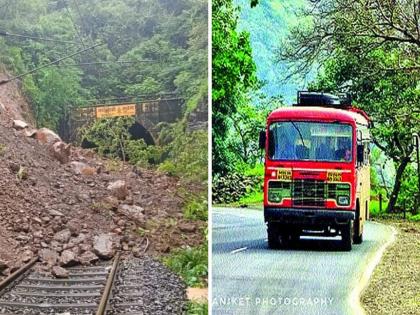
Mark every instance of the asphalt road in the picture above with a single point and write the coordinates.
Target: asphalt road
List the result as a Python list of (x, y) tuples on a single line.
[(314, 277)]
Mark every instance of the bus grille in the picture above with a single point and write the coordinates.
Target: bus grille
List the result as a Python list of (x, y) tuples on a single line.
[(308, 192)]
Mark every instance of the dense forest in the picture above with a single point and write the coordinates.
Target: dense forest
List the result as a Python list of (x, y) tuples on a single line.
[(118, 48), (141, 48), (370, 52)]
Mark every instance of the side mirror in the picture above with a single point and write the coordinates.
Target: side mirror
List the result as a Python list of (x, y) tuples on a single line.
[(360, 153), (262, 140)]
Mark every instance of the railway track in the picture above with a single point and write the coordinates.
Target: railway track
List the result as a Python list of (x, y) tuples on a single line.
[(117, 288)]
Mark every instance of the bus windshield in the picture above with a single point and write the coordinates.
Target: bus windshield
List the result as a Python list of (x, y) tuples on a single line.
[(310, 141)]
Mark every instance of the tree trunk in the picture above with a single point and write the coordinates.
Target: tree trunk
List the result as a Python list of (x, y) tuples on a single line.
[(397, 184)]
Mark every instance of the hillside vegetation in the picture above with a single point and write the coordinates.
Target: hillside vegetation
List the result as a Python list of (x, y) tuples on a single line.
[(144, 47)]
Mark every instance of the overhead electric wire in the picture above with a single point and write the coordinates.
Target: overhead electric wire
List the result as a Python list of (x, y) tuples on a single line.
[(102, 63), (5, 34), (74, 26), (83, 25), (49, 64), (133, 97)]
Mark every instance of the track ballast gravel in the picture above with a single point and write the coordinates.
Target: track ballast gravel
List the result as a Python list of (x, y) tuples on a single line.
[(145, 286)]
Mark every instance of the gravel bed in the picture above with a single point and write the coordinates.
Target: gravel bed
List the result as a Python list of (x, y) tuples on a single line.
[(160, 292), (29, 311)]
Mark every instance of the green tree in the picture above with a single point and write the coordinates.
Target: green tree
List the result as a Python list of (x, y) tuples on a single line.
[(234, 74), (390, 97)]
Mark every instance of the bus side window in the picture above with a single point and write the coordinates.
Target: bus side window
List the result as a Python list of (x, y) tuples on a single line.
[(360, 153), (367, 152)]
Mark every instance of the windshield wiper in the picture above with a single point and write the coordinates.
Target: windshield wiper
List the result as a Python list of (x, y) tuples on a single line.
[(300, 134)]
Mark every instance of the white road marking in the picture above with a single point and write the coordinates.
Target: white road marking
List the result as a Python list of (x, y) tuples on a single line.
[(238, 250)]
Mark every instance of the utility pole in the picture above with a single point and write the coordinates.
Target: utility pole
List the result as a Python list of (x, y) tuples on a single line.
[(416, 141)]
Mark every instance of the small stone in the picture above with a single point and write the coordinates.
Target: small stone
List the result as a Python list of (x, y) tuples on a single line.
[(3, 265), (55, 213), (63, 236), (184, 227), (59, 272), (133, 212), (111, 202), (19, 124), (80, 168), (27, 256), (118, 189), (74, 227)]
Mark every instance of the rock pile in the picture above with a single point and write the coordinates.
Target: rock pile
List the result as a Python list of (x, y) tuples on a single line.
[(66, 206)]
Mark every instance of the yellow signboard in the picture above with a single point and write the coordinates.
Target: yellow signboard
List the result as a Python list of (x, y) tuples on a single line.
[(284, 174), (116, 111)]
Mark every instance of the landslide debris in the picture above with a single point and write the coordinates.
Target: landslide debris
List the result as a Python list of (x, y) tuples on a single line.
[(65, 205)]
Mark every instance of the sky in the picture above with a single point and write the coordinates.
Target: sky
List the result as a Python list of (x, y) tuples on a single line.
[(268, 24)]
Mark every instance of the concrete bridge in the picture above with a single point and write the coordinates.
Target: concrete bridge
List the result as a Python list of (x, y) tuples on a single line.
[(148, 113)]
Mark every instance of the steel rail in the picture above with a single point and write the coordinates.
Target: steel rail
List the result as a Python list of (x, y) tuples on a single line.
[(108, 286), (5, 283)]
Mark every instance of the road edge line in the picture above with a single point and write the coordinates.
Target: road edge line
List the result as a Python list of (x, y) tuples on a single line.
[(364, 279)]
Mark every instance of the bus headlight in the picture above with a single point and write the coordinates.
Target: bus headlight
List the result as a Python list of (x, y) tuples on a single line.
[(343, 200), (278, 190)]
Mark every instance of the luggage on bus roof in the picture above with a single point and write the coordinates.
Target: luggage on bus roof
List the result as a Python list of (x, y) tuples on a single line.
[(306, 98)]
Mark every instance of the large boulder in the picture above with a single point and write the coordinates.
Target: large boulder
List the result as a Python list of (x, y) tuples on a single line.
[(61, 151), (68, 258), (47, 136), (88, 258), (118, 189), (103, 246)]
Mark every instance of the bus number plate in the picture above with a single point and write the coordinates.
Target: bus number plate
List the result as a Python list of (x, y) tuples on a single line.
[(334, 176), (284, 174)]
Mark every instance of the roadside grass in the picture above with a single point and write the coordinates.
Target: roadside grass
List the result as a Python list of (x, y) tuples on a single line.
[(195, 308), (374, 208), (196, 207), (394, 287), (253, 198), (191, 264)]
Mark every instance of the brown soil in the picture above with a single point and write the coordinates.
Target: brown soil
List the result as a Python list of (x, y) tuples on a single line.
[(27, 203)]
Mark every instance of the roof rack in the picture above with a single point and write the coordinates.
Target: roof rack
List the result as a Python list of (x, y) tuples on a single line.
[(306, 98)]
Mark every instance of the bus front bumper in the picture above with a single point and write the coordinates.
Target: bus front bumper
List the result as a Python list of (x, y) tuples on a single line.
[(308, 217)]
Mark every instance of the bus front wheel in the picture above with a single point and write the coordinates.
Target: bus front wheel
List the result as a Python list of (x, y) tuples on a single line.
[(347, 235), (273, 236), (358, 232)]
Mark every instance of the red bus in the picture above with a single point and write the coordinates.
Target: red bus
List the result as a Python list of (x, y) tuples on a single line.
[(317, 173)]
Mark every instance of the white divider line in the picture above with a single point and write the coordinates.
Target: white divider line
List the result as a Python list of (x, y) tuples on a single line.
[(239, 250)]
